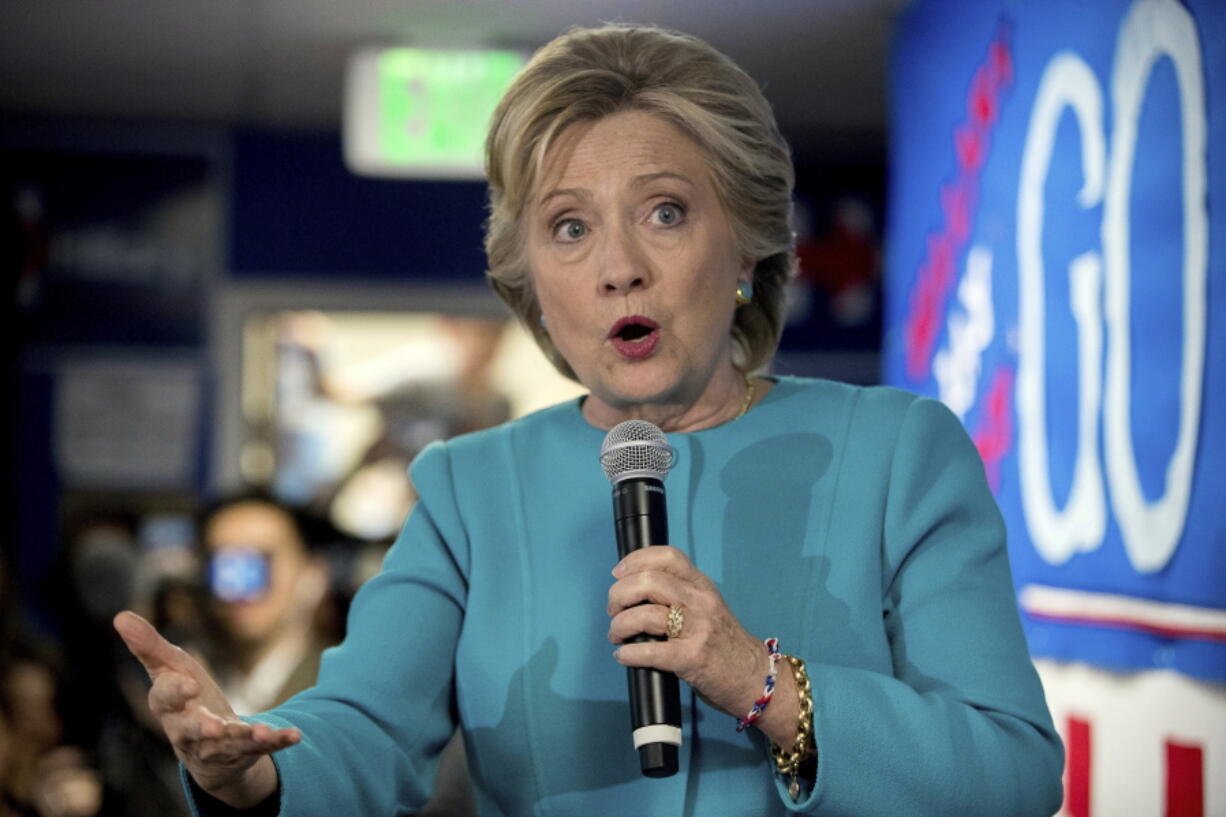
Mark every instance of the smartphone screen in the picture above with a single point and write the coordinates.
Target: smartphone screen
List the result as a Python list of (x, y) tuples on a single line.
[(239, 575)]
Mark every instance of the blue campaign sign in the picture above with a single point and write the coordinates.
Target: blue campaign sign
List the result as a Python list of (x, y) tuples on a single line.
[(1056, 273)]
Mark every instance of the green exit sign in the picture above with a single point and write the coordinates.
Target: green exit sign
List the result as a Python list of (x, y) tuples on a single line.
[(423, 113)]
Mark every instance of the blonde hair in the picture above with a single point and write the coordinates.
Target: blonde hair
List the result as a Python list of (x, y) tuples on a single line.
[(589, 73)]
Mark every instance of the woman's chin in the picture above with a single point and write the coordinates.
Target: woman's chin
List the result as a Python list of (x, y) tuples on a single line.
[(630, 395)]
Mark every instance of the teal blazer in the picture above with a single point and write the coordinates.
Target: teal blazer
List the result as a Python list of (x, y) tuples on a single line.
[(854, 524)]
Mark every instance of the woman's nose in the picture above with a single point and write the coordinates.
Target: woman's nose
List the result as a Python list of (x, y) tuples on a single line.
[(624, 267)]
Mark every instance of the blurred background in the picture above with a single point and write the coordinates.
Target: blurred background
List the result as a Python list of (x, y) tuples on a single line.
[(243, 248)]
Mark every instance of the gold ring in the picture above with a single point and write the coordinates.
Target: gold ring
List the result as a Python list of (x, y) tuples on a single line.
[(676, 620)]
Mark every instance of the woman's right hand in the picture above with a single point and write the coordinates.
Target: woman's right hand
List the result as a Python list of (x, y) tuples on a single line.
[(226, 756)]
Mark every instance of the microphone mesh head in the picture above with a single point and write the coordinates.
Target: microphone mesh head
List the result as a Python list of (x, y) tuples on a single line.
[(635, 448)]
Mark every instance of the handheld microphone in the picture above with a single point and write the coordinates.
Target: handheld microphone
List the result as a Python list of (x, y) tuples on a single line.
[(636, 457)]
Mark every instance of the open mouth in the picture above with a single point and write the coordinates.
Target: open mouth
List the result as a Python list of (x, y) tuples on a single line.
[(633, 328), (635, 336), (634, 331)]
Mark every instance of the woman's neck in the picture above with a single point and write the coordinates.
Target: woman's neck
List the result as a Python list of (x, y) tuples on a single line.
[(723, 401)]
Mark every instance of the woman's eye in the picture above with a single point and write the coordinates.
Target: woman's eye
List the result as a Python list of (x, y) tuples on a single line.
[(668, 214), (569, 230)]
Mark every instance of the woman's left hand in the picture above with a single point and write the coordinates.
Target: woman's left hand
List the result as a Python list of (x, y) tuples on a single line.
[(713, 653)]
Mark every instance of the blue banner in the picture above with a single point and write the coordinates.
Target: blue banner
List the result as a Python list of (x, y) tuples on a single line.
[(111, 248), (1055, 274)]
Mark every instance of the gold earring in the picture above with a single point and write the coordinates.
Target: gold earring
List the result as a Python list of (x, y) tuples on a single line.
[(744, 293)]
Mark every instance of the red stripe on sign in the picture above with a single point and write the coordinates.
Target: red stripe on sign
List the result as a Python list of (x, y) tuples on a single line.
[(1185, 780), (1077, 768), (1124, 623)]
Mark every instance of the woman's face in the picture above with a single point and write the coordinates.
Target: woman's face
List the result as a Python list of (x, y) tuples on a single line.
[(633, 261), (256, 528)]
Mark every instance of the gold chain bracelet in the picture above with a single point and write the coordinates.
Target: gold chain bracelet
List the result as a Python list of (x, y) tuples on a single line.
[(789, 763)]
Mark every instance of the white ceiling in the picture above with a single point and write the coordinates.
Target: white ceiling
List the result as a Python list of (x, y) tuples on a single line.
[(281, 62)]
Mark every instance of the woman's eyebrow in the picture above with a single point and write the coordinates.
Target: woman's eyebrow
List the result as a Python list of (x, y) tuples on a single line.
[(577, 192), (647, 178), (637, 181)]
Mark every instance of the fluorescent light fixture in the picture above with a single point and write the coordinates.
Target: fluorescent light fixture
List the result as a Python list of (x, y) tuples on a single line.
[(418, 113)]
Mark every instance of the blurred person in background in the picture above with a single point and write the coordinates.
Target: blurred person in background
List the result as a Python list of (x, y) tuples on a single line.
[(268, 591), (639, 227), (96, 576), (39, 773), (29, 693), (109, 742)]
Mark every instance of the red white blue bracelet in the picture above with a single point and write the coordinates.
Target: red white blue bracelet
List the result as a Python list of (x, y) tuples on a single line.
[(772, 647)]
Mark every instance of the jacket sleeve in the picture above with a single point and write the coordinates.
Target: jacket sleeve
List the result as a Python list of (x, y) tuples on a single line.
[(961, 727), (376, 721)]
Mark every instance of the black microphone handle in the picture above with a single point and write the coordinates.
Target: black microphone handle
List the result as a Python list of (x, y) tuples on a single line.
[(641, 520)]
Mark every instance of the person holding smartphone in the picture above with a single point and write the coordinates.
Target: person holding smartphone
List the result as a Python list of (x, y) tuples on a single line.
[(266, 586)]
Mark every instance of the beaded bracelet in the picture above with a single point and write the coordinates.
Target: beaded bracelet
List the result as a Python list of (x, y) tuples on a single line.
[(772, 647)]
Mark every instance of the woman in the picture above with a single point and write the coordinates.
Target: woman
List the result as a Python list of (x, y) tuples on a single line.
[(640, 195)]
